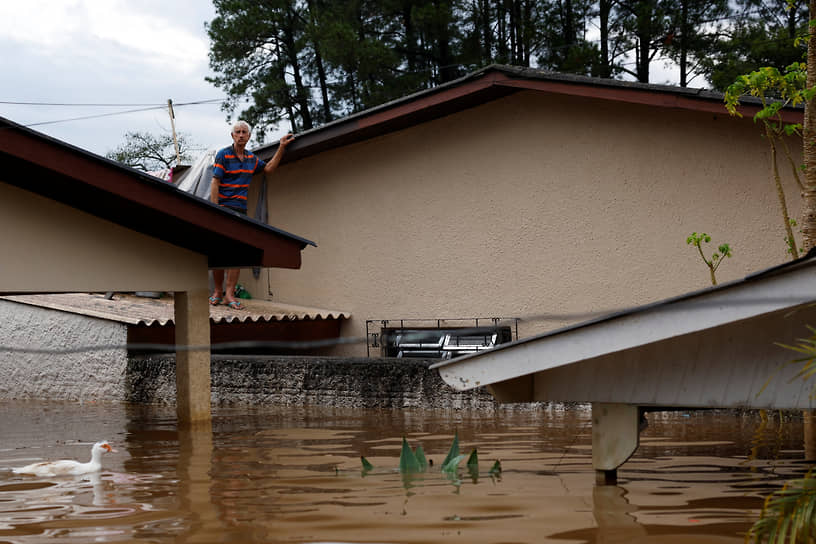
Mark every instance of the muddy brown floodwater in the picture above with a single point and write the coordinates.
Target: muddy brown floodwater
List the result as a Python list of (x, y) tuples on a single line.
[(293, 474)]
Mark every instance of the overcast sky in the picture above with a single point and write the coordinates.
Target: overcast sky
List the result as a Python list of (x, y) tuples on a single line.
[(120, 52), (109, 52)]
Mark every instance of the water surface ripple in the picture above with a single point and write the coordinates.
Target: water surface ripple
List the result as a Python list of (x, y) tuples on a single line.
[(293, 475)]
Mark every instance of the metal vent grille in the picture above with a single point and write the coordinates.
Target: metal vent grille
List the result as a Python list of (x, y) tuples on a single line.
[(411, 339)]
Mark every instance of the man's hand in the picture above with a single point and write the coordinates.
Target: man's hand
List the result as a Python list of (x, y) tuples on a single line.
[(286, 140), (272, 164)]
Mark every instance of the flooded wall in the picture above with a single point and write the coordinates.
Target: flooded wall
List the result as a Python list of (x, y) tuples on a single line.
[(38, 364), (30, 372), (319, 381)]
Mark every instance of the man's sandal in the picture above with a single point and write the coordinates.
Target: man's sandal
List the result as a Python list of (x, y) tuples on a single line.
[(215, 301), (235, 305)]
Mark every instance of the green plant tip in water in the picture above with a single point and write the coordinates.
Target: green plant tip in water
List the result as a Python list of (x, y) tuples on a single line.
[(419, 453), (408, 463), (451, 465), (454, 450), (473, 460)]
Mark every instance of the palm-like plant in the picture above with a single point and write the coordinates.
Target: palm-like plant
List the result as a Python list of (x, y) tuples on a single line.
[(789, 515)]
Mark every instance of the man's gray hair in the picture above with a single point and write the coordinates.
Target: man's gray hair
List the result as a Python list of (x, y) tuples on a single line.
[(242, 123)]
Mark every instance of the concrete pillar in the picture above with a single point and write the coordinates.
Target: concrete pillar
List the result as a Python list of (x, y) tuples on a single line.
[(615, 437), (195, 487), (192, 316), (810, 435), (614, 516)]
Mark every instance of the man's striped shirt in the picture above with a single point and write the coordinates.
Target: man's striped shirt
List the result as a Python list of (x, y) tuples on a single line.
[(234, 176)]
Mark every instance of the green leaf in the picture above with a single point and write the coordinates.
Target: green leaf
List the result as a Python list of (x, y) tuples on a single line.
[(420, 457), (366, 465), (473, 460), (496, 468), (408, 463), (451, 465), (454, 449)]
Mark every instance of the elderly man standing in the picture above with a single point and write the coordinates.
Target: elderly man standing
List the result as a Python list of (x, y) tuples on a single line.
[(232, 173)]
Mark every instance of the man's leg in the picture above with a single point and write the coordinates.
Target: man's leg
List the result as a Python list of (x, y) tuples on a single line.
[(218, 290), (232, 281)]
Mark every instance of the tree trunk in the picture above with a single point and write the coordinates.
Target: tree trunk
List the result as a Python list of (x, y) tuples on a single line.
[(321, 70), (447, 70), (684, 37), (501, 33), (644, 37), (808, 222), (569, 26), (780, 193), (605, 9), (512, 31), (487, 33), (410, 38), (301, 93)]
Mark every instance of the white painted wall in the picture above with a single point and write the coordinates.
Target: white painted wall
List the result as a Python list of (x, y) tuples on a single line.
[(84, 376)]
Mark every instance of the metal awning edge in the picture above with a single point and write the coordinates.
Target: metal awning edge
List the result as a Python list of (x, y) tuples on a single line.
[(674, 317)]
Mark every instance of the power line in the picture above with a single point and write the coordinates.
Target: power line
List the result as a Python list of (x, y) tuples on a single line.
[(41, 123), (110, 105), (74, 104), (109, 114)]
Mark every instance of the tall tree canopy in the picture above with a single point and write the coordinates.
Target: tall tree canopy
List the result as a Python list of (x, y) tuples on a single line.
[(307, 62)]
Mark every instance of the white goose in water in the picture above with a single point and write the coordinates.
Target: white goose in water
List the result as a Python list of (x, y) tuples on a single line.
[(68, 467)]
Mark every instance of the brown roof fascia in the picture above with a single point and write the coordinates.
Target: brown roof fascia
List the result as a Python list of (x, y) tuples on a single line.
[(643, 96), (495, 82), (141, 202), (383, 120)]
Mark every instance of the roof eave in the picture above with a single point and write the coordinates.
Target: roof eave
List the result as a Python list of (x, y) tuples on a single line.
[(779, 288), (105, 189), (493, 82)]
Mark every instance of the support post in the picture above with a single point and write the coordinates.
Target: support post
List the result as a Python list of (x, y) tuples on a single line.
[(615, 437), (810, 435), (192, 316)]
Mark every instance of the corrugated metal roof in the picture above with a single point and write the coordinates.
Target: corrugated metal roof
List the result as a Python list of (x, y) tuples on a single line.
[(136, 310)]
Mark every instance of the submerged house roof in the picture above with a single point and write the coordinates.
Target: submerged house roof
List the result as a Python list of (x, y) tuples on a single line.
[(717, 347), (494, 82), (106, 189)]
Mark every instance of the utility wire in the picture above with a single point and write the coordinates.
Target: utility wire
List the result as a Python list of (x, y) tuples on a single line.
[(109, 114), (110, 105)]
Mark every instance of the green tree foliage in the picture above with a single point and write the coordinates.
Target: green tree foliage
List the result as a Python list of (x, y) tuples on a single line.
[(308, 62), (694, 30), (775, 90), (149, 152), (762, 33)]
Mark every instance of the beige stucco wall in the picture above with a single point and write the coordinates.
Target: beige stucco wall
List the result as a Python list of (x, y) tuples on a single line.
[(530, 205), (48, 246)]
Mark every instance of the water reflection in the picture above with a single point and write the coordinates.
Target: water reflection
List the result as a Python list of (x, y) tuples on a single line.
[(294, 475)]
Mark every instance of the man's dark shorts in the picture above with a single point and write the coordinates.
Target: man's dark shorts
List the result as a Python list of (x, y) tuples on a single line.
[(242, 212)]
